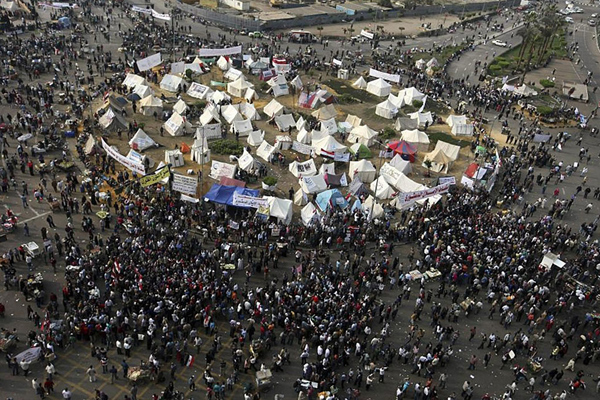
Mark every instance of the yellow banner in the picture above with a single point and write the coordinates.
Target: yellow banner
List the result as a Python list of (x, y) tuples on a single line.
[(155, 178)]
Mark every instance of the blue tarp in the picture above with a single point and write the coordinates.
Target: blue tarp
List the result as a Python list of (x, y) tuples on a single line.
[(65, 22), (331, 197), (222, 194)]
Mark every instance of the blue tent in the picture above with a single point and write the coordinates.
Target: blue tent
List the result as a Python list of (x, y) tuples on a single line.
[(222, 194), (329, 198), (65, 22)]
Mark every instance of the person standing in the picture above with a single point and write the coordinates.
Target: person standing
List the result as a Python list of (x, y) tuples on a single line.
[(66, 394), (125, 367), (134, 391), (113, 374), (91, 373), (25, 366)]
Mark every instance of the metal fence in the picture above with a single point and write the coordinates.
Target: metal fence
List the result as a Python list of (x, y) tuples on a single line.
[(222, 19)]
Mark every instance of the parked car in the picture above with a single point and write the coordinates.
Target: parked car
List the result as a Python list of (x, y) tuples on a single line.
[(499, 43)]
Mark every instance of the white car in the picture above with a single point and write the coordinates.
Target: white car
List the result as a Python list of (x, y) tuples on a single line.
[(499, 43), (569, 20), (594, 15), (592, 22)]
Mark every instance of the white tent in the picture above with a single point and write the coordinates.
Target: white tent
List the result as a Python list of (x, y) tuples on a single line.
[(265, 150), (219, 169), (313, 184), (416, 137), (381, 188), (439, 161), (279, 86), (456, 119), (307, 168), (251, 95), (300, 198), (354, 120), (200, 152), (242, 127), (420, 63), (401, 164), (247, 163), (372, 209), (422, 118), (301, 123), (273, 108), (304, 136), (463, 129), (327, 169), (362, 169), (280, 209), (150, 105), (327, 146), (133, 80), (329, 126), (180, 107), (141, 141), (223, 63), (326, 112), (210, 114), (363, 134), (360, 83), (525, 91), (249, 111), (433, 63), (231, 113), (386, 109), (411, 94), (238, 87), (233, 74), (194, 67), (219, 97), (199, 91), (176, 125), (255, 138), (297, 82), (310, 215), (171, 83), (142, 91), (397, 101), (451, 150), (284, 122), (379, 87)]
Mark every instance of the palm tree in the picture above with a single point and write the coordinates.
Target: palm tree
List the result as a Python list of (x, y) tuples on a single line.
[(526, 33), (320, 29), (401, 29), (428, 164)]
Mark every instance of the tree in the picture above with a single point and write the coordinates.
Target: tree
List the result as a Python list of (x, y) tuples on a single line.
[(428, 164), (320, 29), (401, 29)]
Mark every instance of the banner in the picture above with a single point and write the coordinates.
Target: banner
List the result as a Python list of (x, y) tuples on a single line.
[(384, 75), (185, 184), (219, 52), (410, 197), (337, 62), (149, 62), (367, 34), (189, 199), (219, 169), (164, 17), (31, 355), (341, 157), (209, 131), (302, 148), (136, 167), (447, 179), (156, 177), (196, 90), (217, 83), (178, 68), (142, 10), (242, 200)]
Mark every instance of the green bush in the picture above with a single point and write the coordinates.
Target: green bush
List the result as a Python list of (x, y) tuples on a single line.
[(387, 133), (227, 147), (417, 104), (495, 67), (264, 86), (346, 98), (200, 104), (270, 181), (503, 63), (545, 110), (546, 83)]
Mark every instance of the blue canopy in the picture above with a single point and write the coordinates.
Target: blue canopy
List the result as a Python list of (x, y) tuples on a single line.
[(222, 194), (331, 198)]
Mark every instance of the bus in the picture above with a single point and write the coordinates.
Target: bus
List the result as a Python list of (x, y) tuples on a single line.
[(302, 37)]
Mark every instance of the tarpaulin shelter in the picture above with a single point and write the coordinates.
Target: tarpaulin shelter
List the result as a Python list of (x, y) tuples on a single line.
[(310, 215), (327, 168), (405, 123), (273, 109), (223, 63), (463, 129), (313, 184), (90, 145), (306, 168), (456, 119), (397, 101), (336, 180), (209, 115), (231, 182), (280, 209), (360, 150), (181, 107), (301, 123), (199, 91), (360, 83), (420, 63), (379, 87), (364, 169), (220, 97), (330, 199), (416, 138), (405, 149), (222, 194), (386, 109), (525, 91), (363, 135), (255, 138), (141, 141), (219, 169), (151, 105), (297, 82), (279, 86), (171, 83)]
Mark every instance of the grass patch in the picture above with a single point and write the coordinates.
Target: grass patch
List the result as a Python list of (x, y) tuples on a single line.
[(508, 62), (434, 136), (343, 89)]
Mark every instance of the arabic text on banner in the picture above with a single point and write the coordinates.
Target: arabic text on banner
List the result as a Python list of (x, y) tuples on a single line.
[(341, 157), (447, 179), (141, 10), (164, 17), (383, 75), (185, 184), (367, 34), (242, 200), (178, 67), (411, 197), (302, 148), (156, 177), (149, 62), (121, 159), (220, 52)]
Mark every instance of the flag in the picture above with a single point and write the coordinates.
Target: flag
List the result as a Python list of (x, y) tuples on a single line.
[(325, 153), (106, 94), (190, 361), (117, 267)]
